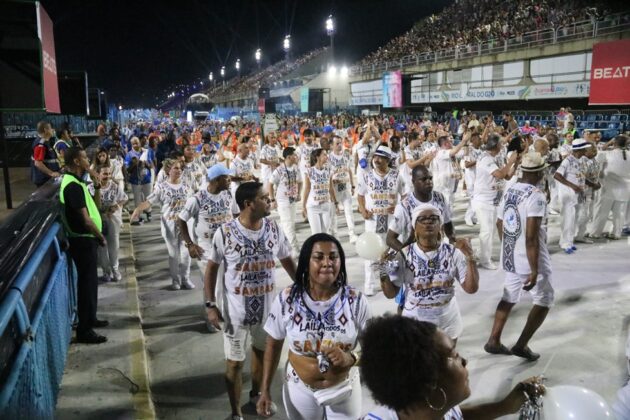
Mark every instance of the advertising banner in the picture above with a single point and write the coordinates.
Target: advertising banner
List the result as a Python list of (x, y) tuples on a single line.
[(392, 89), (610, 73), (49, 68), (366, 93)]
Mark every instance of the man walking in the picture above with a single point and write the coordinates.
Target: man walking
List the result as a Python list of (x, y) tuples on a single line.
[(524, 255), (248, 246)]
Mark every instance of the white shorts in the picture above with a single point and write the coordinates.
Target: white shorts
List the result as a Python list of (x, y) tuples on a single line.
[(542, 293), (235, 343), (448, 320)]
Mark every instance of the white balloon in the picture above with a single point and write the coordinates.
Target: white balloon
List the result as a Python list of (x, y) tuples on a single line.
[(370, 246), (566, 402)]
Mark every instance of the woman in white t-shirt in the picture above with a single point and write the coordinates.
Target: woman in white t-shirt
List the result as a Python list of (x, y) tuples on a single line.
[(321, 318), (429, 269), (171, 195), (318, 193), (113, 198), (414, 371)]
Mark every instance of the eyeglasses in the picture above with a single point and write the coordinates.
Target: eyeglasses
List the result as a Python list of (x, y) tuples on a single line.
[(431, 220)]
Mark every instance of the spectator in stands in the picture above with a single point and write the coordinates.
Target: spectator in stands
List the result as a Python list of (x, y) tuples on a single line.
[(83, 225), (44, 163)]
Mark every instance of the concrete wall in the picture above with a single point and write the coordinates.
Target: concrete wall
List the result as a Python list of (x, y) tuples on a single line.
[(338, 85)]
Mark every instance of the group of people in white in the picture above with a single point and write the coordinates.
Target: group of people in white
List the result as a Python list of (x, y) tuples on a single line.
[(406, 185)]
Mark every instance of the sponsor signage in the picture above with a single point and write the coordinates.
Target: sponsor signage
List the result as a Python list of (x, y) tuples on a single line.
[(610, 73), (304, 99), (392, 89), (49, 62)]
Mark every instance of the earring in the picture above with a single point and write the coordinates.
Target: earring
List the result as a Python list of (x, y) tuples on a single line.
[(426, 399)]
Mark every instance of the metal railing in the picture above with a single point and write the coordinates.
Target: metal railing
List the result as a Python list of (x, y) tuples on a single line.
[(612, 24)]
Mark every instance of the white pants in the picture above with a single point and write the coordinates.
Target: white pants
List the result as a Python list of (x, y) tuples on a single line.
[(448, 191), (584, 212), (178, 257), (619, 210), (569, 211), (347, 210), (300, 403), (371, 276), (108, 255), (140, 194), (553, 192), (287, 213), (487, 218), (470, 212), (319, 218)]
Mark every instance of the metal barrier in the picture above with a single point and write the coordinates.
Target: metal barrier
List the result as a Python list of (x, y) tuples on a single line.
[(609, 25), (36, 315)]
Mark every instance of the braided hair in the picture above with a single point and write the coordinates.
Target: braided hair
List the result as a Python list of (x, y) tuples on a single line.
[(301, 283)]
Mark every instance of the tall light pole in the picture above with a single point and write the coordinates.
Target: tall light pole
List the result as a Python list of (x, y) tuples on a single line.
[(330, 30), (238, 66), (258, 56), (286, 45), (223, 75), (211, 78)]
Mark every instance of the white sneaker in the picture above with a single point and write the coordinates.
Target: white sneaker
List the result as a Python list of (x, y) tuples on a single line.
[(553, 211), (117, 276), (469, 222), (489, 266), (353, 238), (369, 291), (583, 240), (175, 285), (187, 284), (253, 400)]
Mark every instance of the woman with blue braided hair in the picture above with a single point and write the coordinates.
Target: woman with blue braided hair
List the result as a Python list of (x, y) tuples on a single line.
[(321, 317)]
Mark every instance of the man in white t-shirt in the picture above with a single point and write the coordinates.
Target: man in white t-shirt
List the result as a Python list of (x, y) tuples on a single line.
[(488, 189), (209, 208), (248, 246), (472, 155), (377, 194), (270, 158), (444, 168), (305, 150), (341, 173), (525, 257), (285, 186), (243, 167), (571, 176)]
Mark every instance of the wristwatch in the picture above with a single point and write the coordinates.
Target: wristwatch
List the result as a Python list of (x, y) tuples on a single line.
[(210, 304)]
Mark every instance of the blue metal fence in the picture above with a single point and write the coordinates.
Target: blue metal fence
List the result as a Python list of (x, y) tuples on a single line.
[(41, 335)]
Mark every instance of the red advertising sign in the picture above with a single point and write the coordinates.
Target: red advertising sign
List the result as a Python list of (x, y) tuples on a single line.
[(261, 105), (610, 73), (49, 62)]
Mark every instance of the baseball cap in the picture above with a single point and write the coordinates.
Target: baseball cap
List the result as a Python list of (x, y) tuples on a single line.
[(533, 162), (383, 151), (218, 170)]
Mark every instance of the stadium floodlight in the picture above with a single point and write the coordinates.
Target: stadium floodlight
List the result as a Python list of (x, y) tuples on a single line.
[(344, 71), (286, 44), (238, 64), (258, 55), (332, 69), (222, 71), (330, 26), (211, 76)]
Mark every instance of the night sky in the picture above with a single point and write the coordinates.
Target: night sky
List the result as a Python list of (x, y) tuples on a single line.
[(138, 50)]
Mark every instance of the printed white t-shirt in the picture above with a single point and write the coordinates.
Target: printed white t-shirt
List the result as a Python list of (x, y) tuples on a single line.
[(307, 325), (272, 154), (573, 170), (111, 195), (381, 193), (320, 186), (286, 180), (249, 280), (340, 165), (171, 198), (209, 212), (401, 222), (429, 280), (519, 202)]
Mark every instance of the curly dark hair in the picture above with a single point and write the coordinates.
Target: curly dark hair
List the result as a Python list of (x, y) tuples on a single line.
[(301, 273), (400, 362), (315, 154)]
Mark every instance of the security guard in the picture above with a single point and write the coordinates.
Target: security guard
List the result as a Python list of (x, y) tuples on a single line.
[(83, 226)]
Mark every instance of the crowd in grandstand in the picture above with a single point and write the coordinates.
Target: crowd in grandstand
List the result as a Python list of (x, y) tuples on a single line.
[(467, 22)]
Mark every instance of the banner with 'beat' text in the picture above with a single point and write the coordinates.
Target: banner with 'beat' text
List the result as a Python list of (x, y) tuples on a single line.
[(610, 73)]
